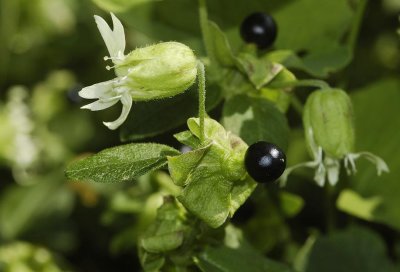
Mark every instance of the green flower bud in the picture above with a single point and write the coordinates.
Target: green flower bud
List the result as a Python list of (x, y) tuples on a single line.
[(158, 71), (328, 122)]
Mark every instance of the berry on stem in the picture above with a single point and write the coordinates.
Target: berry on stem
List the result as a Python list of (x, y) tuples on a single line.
[(259, 28), (265, 162)]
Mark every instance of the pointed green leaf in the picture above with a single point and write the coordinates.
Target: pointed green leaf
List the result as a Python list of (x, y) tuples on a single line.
[(221, 46), (208, 198), (241, 190), (187, 138), (181, 166), (121, 163), (244, 258), (260, 71)]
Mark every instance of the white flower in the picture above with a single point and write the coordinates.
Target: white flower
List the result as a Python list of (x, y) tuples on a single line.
[(153, 72), (110, 92)]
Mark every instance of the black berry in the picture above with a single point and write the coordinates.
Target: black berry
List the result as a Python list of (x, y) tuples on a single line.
[(259, 28), (264, 162)]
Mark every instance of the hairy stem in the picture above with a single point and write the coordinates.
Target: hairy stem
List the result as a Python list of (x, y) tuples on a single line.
[(202, 97), (297, 105)]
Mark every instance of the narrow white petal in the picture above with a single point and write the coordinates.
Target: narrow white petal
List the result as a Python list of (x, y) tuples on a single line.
[(101, 104), (115, 41), (333, 170), (380, 164), (119, 33), (97, 90), (320, 175), (126, 100)]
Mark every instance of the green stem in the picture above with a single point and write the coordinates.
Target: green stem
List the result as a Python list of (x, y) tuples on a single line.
[(304, 83), (297, 105), (202, 97), (208, 43)]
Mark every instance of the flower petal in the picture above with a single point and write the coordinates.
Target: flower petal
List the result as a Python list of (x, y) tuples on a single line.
[(102, 104), (114, 39), (126, 101), (97, 90), (333, 169), (119, 33), (380, 164)]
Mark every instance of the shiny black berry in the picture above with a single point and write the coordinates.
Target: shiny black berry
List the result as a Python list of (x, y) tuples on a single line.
[(264, 162), (259, 28)]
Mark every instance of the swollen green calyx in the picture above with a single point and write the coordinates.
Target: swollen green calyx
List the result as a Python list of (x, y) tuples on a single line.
[(330, 137), (328, 118)]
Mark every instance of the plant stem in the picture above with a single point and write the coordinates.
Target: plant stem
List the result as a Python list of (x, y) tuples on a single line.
[(208, 43), (202, 97), (297, 105)]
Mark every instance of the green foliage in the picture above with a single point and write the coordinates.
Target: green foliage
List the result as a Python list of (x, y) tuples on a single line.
[(121, 163), (236, 255), (213, 175), (144, 120), (21, 256), (197, 210), (255, 119), (23, 209), (355, 249), (380, 136)]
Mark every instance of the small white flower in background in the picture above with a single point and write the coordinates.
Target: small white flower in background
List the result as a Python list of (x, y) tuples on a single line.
[(330, 137), (152, 72)]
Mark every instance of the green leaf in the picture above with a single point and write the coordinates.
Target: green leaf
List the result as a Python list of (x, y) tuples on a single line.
[(121, 163), (187, 138), (291, 204), (208, 198), (241, 190), (181, 167), (376, 108), (355, 249), (275, 93), (243, 258), (221, 46), (151, 118), (320, 36), (213, 176), (255, 119), (352, 203), (166, 233), (260, 71)]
